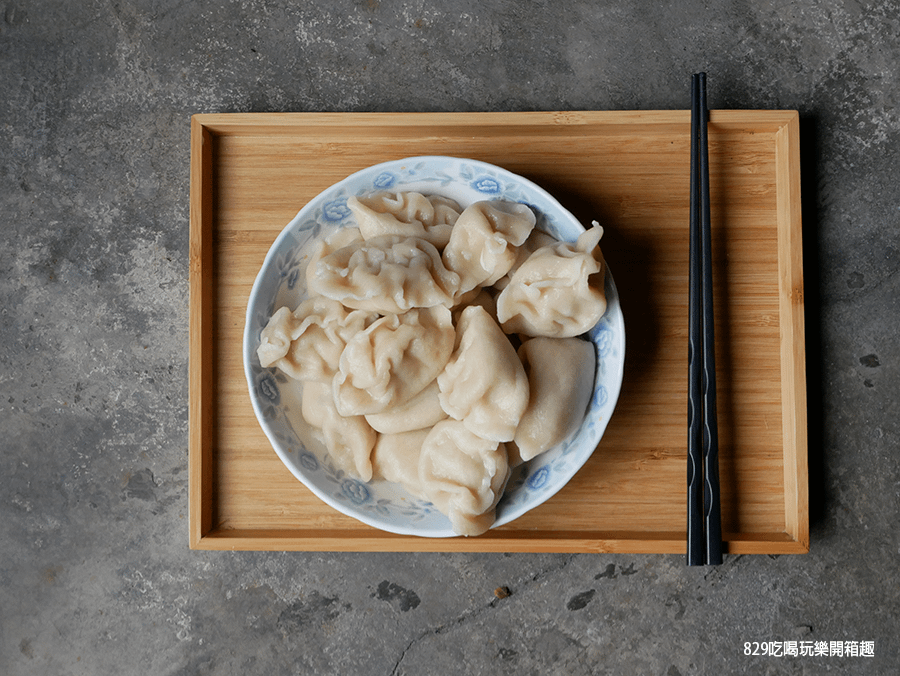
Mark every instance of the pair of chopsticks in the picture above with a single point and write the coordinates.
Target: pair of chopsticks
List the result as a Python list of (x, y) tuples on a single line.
[(704, 535)]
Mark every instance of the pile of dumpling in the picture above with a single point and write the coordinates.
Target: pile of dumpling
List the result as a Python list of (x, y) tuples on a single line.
[(440, 347)]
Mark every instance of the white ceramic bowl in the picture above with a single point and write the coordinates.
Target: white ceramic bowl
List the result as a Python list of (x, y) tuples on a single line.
[(276, 401)]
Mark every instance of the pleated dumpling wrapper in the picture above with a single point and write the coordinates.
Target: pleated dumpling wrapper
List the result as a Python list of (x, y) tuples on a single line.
[(389, 274), (307, 343), (485, 241), (558, 291), (463, 475), (348, 439), (411, 214), (393, 360)]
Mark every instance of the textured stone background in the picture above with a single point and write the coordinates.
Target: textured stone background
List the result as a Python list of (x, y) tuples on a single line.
[(95, 573)]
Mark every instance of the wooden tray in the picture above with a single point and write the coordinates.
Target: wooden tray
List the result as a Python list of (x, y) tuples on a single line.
[(251, 174)]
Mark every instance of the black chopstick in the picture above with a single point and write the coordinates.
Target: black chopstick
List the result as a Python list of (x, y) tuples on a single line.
[(704, 536), (695, 541)]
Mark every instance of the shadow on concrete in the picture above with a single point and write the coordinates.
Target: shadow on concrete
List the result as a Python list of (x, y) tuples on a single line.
[(810, 161)]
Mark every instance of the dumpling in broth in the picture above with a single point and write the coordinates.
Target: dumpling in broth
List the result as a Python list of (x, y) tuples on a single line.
[(393, 360), (410, 214), (561, 380), (389, 274), (484, 242), (463, 475), (558, 291), (307, 343), (484, 384)]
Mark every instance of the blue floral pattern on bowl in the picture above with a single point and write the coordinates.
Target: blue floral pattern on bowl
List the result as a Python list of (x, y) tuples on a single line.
[(276, 399), (336, 211), (384, 180), (487, 186)]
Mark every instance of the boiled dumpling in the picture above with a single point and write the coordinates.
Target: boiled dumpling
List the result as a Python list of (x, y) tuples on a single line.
[(411, 214), (484, 242), (396, 458), (536, 240), (560, 380), (463, 475), (484, 384), (389, 274), (392, 360), (307, 343), (484, 298), (558, 291), (423, 410), (328, 245), (348, 439)]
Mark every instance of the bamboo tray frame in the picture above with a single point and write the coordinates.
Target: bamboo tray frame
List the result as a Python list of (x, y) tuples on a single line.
[(251, 173)]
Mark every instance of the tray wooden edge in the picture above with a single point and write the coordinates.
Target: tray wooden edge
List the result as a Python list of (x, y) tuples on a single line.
[(784, 124), (371, 540), (793, 333), (275, 124), (201, 334)]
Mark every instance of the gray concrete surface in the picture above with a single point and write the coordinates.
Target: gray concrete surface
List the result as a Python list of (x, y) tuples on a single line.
[(95, 573)]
